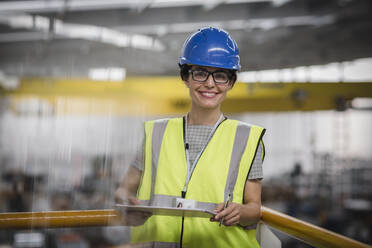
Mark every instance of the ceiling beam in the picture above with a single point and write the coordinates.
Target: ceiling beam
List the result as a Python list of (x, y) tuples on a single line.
[(42, 6), (55, 27)]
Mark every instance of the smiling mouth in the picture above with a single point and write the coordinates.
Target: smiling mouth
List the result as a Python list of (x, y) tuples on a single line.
[(208, 94)]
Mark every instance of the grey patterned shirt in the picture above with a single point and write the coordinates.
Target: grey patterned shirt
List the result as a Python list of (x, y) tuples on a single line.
[(197, 137)]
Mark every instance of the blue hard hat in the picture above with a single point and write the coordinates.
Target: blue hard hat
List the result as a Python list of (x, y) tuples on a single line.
[(211, 47)]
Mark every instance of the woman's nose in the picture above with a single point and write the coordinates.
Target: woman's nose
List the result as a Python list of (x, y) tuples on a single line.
[(210, 81)]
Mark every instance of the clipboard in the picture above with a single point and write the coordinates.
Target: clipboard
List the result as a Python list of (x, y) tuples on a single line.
[(168, 211)]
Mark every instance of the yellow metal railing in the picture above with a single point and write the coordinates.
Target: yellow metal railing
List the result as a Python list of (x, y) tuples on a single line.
[(57, 219), (311, 234)]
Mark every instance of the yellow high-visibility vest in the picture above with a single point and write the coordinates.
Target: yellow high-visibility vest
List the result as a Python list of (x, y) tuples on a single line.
[(221, 170)]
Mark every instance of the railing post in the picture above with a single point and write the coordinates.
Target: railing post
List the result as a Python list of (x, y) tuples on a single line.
[(266, 238)]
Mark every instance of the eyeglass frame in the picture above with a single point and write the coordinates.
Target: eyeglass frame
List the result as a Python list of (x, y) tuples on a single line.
[(229, 75)]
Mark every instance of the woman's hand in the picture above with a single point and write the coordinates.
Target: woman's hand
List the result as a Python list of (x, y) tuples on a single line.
[(244, 214), (135, 218), (126, 194), (231, 215)]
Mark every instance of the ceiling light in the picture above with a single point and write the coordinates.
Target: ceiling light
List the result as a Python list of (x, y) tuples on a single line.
[(107, 74)]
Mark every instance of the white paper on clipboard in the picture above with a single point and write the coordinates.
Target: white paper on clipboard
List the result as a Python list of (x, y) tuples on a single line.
[(169, 211)]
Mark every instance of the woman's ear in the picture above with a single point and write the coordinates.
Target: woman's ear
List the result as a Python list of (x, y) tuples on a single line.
[(232, 81), (186, 82), (184, 73)]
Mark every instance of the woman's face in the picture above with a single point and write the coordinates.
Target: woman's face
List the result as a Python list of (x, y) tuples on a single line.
[(208, 94)]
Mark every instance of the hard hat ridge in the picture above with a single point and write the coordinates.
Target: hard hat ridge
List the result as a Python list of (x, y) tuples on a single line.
[(211, 47)]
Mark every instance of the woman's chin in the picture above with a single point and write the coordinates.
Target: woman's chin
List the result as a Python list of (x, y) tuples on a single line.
[(209, 106)]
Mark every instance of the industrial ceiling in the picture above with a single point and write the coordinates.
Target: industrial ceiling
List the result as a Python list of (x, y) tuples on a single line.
[(68, 38)]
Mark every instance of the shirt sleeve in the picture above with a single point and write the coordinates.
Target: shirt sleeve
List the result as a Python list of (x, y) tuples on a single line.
[(256, 169)]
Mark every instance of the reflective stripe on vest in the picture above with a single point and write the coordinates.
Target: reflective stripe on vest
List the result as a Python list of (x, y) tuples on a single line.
[(169, 201), (157, 137), (240, 141), (165, 159), (157, 245)]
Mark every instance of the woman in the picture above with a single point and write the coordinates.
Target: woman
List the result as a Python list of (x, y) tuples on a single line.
[(203, 160)]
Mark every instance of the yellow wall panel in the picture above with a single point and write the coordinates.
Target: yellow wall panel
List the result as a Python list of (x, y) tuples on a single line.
[(168, 95)]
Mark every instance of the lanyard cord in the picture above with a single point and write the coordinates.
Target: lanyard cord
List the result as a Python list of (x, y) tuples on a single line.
[(191, 170)]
